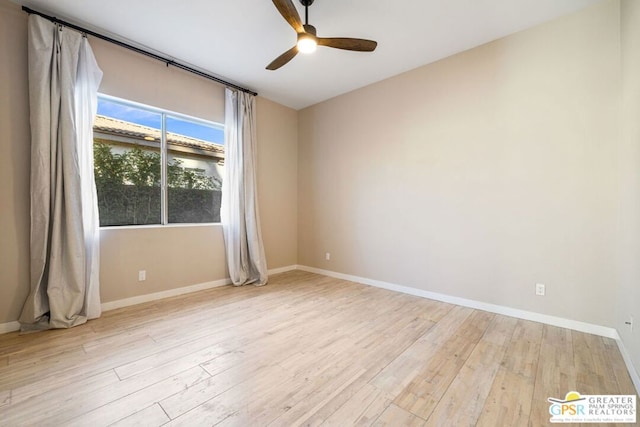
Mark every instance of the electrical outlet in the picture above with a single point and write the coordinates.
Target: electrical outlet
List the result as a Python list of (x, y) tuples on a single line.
[(540, 289), (142, 275), (327, 256)]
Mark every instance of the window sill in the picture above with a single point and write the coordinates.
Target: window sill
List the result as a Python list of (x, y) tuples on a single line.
[(128, 227)]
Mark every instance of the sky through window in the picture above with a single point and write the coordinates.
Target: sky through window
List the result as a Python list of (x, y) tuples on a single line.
[(151, 119)]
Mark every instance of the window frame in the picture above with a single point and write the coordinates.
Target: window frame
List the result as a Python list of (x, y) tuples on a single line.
[(164, 157)]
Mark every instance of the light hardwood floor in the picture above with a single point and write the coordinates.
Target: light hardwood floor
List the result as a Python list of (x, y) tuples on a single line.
[(304, 350)]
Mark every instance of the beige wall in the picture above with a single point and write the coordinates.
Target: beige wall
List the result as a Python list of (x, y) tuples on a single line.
[(479, 175), (138, 78), (14, 162), (278, 181), (172, 256), (629, 179)]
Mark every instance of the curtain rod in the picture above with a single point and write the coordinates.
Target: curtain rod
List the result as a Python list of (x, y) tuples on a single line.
[(141, 51)]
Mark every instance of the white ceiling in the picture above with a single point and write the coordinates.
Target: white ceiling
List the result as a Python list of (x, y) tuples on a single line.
[(237, 39)]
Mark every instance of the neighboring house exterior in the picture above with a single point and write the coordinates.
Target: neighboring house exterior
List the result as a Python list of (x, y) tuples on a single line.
[(194, 153)]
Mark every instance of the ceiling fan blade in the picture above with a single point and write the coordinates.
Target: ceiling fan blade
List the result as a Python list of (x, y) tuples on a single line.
[(290, 14), (360, 45), (283, 59)]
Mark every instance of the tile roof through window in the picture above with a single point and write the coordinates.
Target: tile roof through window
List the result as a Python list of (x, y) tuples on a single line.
[(123, 128)]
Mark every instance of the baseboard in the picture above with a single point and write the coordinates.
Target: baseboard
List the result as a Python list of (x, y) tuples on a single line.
[(283, 269), (633, 373), (112, 305), (126, 302), (5, 328), (492, 308)]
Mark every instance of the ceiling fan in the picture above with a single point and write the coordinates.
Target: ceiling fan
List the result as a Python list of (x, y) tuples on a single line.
[(307, 36)]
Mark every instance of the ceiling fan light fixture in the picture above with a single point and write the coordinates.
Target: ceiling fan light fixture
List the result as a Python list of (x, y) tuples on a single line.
[(307, 43), (308, 39)]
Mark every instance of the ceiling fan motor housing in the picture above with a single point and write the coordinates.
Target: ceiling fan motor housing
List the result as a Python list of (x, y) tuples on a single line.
[(306, 3), (310, 29)]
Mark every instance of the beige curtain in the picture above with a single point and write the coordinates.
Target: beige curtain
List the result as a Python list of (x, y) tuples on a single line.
[(239, 210), (63, 84)]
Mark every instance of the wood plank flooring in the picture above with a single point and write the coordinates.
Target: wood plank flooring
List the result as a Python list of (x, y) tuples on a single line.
[(304, 350)]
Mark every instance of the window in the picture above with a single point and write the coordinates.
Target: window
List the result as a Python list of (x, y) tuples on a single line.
[(156, 167)]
